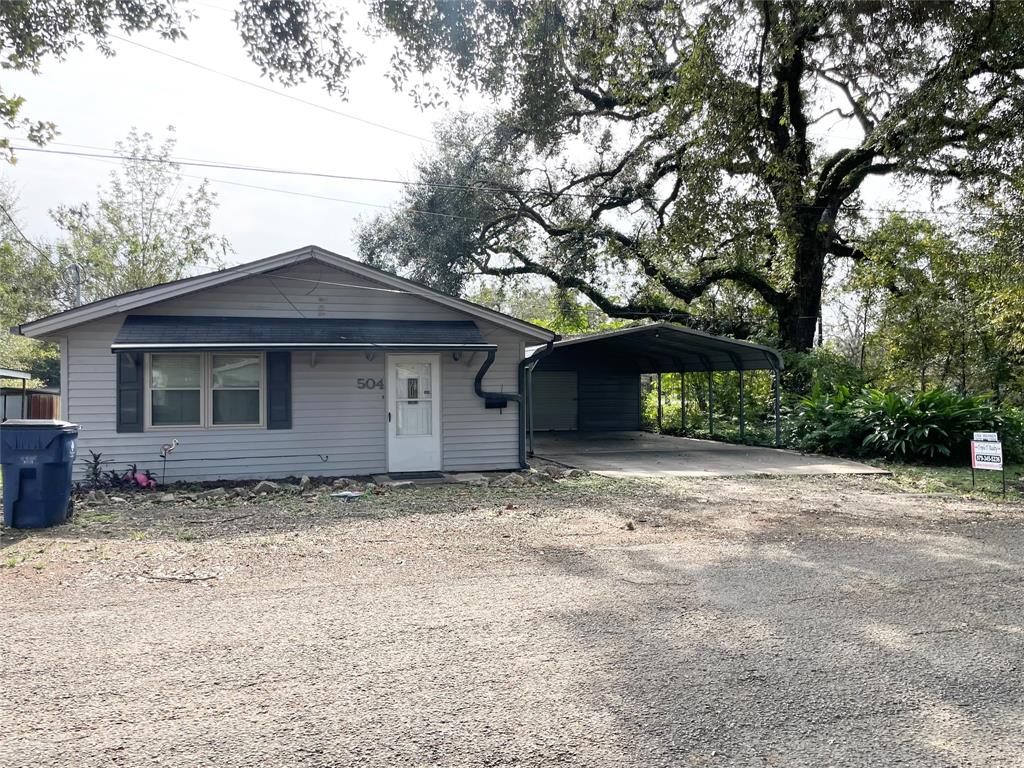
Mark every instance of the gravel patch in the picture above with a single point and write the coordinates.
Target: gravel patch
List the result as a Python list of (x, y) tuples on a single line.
[(745, 621)]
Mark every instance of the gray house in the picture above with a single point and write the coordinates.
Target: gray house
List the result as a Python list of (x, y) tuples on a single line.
[(302, 363)]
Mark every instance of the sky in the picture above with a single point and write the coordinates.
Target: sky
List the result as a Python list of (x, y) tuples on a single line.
[(96, 100)]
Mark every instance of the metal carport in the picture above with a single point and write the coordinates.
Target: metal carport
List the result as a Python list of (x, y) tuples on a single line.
[(606, 363)]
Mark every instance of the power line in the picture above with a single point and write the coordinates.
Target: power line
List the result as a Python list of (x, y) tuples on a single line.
[(296, 193), (203, 163), (274, 91), (195, 163), (337, 199)]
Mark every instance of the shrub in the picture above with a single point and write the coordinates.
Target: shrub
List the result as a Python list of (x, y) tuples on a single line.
[(933, 426), (823, 369)]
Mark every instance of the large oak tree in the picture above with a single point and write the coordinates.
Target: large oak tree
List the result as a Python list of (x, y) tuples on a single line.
[(647, 151)]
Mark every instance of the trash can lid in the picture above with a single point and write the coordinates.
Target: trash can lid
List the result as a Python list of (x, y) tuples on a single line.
[(67, 426)]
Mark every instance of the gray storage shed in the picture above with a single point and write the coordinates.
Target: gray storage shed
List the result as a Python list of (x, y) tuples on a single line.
[(592, 383)]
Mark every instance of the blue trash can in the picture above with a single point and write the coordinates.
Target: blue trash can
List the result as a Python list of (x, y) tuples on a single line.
[(37, 456)]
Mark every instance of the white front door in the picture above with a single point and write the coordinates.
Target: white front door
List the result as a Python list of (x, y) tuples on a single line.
[(414, 413)]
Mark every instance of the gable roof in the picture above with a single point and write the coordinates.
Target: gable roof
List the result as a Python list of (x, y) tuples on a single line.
[(142, 297)]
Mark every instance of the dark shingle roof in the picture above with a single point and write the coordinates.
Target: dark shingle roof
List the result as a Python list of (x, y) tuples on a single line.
[(171, 331)]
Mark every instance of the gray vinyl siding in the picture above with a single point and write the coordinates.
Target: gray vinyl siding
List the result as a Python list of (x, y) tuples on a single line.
[(609, 401), (554, 400), (330, 416)]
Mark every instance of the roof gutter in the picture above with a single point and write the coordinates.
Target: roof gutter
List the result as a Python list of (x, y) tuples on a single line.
[(500, 399)]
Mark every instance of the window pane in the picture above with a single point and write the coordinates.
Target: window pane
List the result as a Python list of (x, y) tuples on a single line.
[(236, 406), (174, 371), (240, 371), (414, 418), (175, 407), (412, 380)]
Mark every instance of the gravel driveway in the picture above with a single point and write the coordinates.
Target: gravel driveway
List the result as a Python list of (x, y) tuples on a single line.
[(796, 621)]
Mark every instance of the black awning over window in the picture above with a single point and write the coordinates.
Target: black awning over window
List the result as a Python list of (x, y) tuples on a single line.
[(156, 332)]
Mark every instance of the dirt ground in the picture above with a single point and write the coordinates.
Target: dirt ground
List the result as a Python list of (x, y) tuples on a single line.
[(592, 622)]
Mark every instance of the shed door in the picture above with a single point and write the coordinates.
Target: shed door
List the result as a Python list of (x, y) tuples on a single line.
[(554, 400)]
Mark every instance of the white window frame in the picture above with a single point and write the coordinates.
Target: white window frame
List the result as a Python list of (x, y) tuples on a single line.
[(205, 392)]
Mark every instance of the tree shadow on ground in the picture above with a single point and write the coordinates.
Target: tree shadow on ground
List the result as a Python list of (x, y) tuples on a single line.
[(828, 647)]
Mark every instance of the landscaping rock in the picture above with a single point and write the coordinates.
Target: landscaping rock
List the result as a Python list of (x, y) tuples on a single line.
[(118, 500), (565, 474), (468, 478), (511, 479), (166, 498), (212, 493), (265, 486), (305, 483), (342, 482)]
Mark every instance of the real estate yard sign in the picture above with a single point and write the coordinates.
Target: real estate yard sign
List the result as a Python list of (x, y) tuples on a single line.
[(987, 453)]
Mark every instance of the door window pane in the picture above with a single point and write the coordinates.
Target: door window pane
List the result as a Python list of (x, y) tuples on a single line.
[(414, 418), (412, 381), (175, 390)]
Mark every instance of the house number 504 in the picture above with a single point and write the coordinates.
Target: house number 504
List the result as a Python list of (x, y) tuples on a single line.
[(369, 383)]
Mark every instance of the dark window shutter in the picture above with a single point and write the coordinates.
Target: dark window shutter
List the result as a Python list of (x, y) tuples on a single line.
[(130, 389), (279, 390)]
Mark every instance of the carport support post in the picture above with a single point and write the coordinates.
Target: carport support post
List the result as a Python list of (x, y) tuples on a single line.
[(711, 403), (659, 403), (529, 401), (682, 402), (778, 426), (743, 420)]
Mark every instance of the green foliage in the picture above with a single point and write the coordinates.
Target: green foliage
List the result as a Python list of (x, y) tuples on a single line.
[(145, 228), (29, 284), (560, 310), (935, 300), (821, 370), (933, 426), (758, 398)]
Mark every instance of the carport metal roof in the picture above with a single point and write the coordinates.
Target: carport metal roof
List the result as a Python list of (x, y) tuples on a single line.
[(664, 348)]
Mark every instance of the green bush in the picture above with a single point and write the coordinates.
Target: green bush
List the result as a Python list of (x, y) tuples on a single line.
[(823, 369), (933, 426)]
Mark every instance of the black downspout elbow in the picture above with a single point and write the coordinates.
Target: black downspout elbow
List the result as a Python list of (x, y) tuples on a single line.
[(500, 399)]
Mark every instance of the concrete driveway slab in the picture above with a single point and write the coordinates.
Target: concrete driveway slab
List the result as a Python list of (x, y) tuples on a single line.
[(643, 454)]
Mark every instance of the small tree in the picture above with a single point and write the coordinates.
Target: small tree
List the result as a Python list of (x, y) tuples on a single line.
[(145, 228)]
